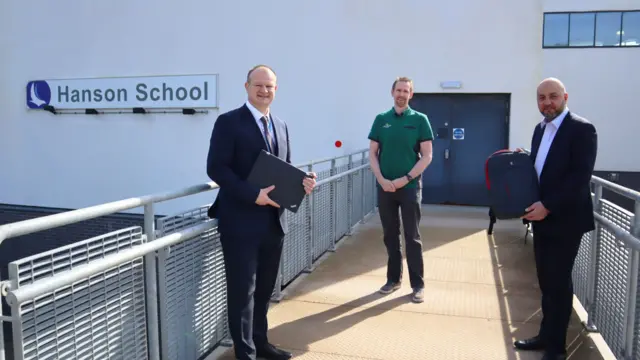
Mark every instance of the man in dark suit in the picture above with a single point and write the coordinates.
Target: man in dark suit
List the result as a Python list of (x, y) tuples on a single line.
[(563, 150), (251, 225)]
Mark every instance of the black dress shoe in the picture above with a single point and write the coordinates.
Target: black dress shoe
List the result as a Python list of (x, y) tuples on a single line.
[(270, 352), (550, 356), (535, 343)]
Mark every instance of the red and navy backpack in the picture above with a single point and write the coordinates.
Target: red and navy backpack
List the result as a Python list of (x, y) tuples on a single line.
[(512, 183)]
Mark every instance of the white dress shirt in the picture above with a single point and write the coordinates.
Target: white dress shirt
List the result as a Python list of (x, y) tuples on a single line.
[(257, 115), (550, 130)]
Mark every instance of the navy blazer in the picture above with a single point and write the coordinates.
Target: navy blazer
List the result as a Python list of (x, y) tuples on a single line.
[(566, 175), (236, 142)]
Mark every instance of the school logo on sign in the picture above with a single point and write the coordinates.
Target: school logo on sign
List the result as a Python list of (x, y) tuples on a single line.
[(38, 94)]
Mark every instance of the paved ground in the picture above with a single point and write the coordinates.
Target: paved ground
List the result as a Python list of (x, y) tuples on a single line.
[(481, 294)]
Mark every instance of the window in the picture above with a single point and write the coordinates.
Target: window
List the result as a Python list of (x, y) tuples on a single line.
[(556, 30), (591, 29), (631, 28), (581, 29), (608, 27)]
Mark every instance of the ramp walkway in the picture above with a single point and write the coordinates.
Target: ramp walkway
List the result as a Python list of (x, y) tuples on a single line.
[(480, 294), (157, 290)]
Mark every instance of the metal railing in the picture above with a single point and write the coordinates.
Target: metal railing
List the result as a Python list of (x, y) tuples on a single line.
[(606, 270), (160, 293)]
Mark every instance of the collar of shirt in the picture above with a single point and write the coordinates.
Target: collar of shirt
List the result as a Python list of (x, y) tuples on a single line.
[(557, 121), (257, 115), (404, 112)]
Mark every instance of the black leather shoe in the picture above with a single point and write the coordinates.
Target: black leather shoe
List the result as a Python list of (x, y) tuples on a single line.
[(270, 352), (535, 343), (549, 356)]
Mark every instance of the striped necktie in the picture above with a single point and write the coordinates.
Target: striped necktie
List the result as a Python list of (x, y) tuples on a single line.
[(267, 133)]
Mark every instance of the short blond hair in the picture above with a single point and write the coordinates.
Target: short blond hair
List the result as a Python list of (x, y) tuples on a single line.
[(258, 67), (402, 79)]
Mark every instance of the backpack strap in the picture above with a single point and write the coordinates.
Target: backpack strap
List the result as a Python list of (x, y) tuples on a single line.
[(486, 166)]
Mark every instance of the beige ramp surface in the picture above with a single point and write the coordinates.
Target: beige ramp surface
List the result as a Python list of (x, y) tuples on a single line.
[(480, 294)]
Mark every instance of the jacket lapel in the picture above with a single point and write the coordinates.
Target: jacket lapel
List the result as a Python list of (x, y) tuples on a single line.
[(560, 135), (535, 144), (253, 125), (281, 138), (558, 141)]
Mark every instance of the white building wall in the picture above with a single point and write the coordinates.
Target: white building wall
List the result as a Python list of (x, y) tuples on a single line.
[(335, 62), (603, 86)]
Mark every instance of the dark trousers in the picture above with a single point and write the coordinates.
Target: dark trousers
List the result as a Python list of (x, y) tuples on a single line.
[(555, 253), (405, 201), (251, 266)]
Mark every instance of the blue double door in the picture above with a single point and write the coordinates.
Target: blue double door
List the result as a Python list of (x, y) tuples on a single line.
[(467, 129)]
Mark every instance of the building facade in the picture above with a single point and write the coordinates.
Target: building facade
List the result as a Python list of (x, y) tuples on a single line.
[(475, 69)]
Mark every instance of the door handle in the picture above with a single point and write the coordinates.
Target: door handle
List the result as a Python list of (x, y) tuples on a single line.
[(446, 154)]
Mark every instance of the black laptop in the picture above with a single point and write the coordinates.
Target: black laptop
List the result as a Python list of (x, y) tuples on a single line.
[(271, 170)]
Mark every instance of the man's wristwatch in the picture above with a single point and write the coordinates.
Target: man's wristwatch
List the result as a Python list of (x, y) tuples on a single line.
[(409, 178)]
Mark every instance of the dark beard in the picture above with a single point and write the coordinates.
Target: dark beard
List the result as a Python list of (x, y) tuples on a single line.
[(548, 118)]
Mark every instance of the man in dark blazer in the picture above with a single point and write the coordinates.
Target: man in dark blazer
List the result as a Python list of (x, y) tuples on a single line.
[(563, 150), (251, 225)]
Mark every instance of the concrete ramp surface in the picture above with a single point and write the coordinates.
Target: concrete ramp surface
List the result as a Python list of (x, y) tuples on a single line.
[(481, 294)]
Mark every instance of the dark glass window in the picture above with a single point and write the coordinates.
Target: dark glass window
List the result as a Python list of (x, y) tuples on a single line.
[(608, 25), (556, 30), (631, 28), (581, 29), (592, 29)]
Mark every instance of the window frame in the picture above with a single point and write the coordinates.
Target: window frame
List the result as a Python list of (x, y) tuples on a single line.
[(595, 29)]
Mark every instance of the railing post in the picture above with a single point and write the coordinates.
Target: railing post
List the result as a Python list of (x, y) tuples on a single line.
[(2, 295), (334, 207), (311, 227), (151, 284), (362, 193), (632, 288), (591, 278), (277, 295), (350, 196)]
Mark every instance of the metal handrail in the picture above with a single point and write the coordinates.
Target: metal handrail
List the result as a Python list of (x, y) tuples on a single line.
[(619, 189), (65, 278), (626, 238), (69, 217), (147, 250), (327, 159), (342, 174)]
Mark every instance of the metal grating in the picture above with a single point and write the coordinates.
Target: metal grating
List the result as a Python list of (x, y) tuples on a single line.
[(357, 193), (342, 207), (581, 269), (322, 220), (296, 250), (101, 317), (369, 188), (612, 278), (192, 289)]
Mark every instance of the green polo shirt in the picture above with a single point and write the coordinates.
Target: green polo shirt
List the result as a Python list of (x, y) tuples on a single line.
[(399, 138)]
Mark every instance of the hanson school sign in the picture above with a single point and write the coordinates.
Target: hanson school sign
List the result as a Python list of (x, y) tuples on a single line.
[(188, 91)]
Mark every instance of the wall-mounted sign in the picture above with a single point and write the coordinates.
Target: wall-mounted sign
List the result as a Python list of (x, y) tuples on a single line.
[(451, 84), (458, 133), (150, 92)]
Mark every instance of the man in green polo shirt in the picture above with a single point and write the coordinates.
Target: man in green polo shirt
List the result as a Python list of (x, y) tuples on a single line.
[(399, 152)]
